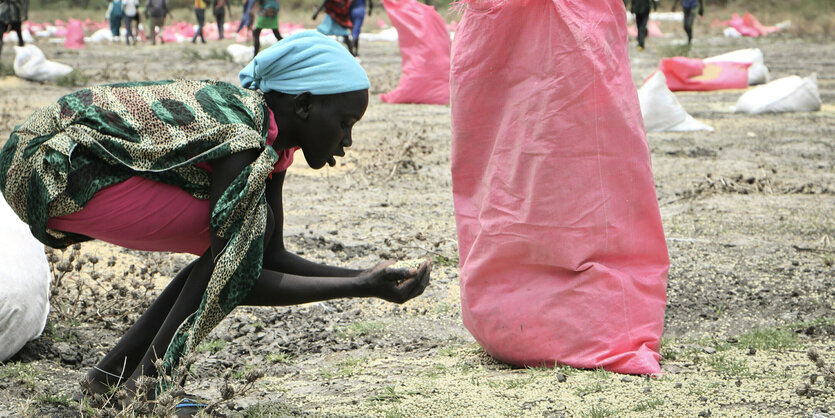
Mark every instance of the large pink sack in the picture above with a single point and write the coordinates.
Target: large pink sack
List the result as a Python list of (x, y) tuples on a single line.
[(424, 47), (693, 74), (75, 35), (562, 254)]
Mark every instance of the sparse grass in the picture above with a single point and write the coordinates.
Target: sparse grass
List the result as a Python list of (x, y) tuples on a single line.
[(190, 54), (271, 409), (6, 70), (437, 370), (345, 368), (22, 373), (449, 351), (674, 50), (388, 394), (726, 365), (444, 261), (216, 54), (566, 370), (241, 373), (212, 346), (279, 358), (361, 329), (54, 399), (517, 383), (602, 374), (593, 387), (769, 339), (74, 79), (598, 411), (648, 405)]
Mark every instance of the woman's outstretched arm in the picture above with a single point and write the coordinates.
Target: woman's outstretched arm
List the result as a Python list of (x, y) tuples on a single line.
[(277, 258)]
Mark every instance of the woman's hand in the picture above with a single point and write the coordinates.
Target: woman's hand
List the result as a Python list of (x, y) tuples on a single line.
[(395, 285)]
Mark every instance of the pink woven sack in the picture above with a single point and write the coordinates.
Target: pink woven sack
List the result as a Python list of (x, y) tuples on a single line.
[(75, 35), (562, 253), (424, 47), (693, 74)]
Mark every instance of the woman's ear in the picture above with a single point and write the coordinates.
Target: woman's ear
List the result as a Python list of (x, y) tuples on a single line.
[(301, 105)]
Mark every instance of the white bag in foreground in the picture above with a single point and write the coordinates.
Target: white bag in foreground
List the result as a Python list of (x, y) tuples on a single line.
[(241, 54), (757, 72), (788, 94), (661, 110), (31, 64), (24, 284)]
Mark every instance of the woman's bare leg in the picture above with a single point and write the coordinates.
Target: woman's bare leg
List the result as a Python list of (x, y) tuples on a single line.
[(122, 359), (187, 302)]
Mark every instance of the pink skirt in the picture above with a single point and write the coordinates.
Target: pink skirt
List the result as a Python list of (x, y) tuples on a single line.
[(146, 215)]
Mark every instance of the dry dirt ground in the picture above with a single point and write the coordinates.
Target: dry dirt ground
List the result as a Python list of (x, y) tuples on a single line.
[(748, 213)]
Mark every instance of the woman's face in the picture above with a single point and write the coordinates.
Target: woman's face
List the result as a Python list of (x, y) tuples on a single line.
[(326, 132)]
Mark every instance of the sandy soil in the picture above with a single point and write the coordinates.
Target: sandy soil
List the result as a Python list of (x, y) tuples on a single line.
[(747, 209)]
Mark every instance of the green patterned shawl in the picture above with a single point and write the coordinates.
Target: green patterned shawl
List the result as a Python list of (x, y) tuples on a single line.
[(54, 162)]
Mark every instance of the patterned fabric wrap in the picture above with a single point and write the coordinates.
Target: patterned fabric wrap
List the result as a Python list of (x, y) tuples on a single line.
[(54, 162), (340, 11)]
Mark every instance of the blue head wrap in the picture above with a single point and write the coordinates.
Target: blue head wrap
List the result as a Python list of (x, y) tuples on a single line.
[(305, 61)]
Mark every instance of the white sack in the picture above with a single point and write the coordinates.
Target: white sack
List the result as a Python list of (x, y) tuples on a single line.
[(730, 32), (788, 94), (31, 64), (757, 72), (240, 54), (386, 35), (661, 110), (11, 37), (100, 35), (24, 284)]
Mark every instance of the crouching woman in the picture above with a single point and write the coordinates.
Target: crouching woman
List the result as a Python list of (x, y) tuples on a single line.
[(198, 167)]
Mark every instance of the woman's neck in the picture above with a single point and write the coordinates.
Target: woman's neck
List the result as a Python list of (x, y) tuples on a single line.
[(282, 107)]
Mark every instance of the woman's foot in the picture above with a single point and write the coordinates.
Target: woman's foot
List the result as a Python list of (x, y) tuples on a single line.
[(100, 382)]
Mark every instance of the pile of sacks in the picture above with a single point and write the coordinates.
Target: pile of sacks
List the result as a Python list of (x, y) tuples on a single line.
[(748, 25), (734, 70), (739, 69)]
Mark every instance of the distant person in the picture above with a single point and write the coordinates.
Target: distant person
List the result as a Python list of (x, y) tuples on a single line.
[(641, 10), (689, 17), (246, 17), (155, 11), (357, 17), (337, 20), (219, 10), (200, 13), (130, 11), (267, 19), (12, 15), (114, 16)]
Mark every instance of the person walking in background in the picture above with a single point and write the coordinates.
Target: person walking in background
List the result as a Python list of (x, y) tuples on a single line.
[(219, 10), (246, 17), (156, 10), (641, 10), (12, 15), (337, 20), (114, 16), (688, 6), (130, 12), (200, 13), (357, 17), (267, 19)]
